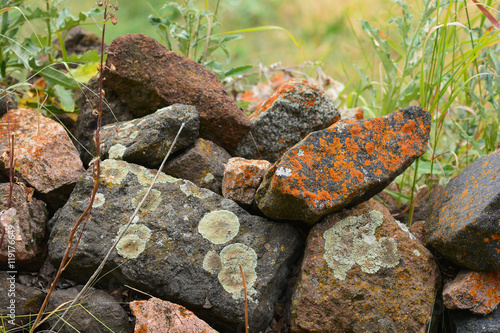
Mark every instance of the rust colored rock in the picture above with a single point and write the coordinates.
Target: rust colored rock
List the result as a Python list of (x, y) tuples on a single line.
[(464, 225), (155, 315), (294, 110), (242, 177), (362, 272), (148, 77), (478, 292), (24, 226), (343, 165), (44, 156), (203, 165)]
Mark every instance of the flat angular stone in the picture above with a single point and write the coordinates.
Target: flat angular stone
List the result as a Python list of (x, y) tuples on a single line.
[(44, 156), (466, 322), (364, 272), (203, 165), (478, 292), (155, 315), (464, 225), (146, 140), (294, 110), (147, 76), (24, 225), (184, 246), (343, 165), (242, 177)]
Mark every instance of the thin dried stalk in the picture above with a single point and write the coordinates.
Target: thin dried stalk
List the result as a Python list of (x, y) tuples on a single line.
[(247, 329)]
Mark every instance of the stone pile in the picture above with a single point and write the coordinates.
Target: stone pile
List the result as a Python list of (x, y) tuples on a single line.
[(360, 270)]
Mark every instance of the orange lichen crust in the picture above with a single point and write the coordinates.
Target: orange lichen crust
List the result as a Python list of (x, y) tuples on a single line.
[(342, 165)]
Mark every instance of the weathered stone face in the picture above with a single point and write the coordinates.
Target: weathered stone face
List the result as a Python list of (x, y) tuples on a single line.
[(146, 76), (464, 226), (185, 245), (294, 110), (364, 272), (347, 163)]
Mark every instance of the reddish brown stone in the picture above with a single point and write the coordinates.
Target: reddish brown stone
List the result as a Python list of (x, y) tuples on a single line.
[(24, 226), (464, 225), (362, 272), (242, 177), (343, 165), (155, 315), (478, 292), (203, 165), (147, 77), (44, 156)]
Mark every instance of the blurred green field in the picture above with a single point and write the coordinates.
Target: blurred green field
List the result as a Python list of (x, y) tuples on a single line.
[(321, 28)]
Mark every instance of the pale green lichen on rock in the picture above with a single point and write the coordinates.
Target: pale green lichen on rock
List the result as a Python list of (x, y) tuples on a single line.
[(116, 151), (113, 172), (190, 189), (212, 262), (151, 203), (230, 274), (208, 178), (99, 200), (352, 241), (145, 176), (134, 241), (219, 226)]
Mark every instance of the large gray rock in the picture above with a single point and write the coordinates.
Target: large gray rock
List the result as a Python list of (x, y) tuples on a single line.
[(466, 322), (185, 245), (464, 225), (146, 140), (294, 110)]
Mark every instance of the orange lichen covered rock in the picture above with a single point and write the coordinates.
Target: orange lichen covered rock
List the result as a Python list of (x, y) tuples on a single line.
[(364, 272), (465, 222), (478, 292), (342, 165), (44, 156), (295, 109), (242, 177), (155, 315)]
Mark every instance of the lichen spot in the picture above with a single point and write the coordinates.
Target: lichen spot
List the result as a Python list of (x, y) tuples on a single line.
[(416, 252), (113, 172), (284, 172), (151, 203), (146, 176), (352, 241), (99, 200), (134, 241), (212, 262), (230, 274), (208, 178), (116, 151), (190, 189), (219, 226)]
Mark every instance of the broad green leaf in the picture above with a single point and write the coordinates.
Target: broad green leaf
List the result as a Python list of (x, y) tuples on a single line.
[(56, 77), (66, 98), (89, 56), (236, 71), (85, 72)]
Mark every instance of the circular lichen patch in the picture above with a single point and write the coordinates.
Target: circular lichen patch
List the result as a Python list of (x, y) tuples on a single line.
[(219, 226), (133, 243), (212, 262), (117, 151), (152, 200), (113, 172), (99, 200), (230, 276)]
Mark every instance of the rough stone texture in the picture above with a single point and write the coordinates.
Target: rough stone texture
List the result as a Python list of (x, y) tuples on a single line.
[(347, 163), (478, 292), (155, 315), (24, 225), (27, 302), (146, 140), (114, 110), (44, 156), (242, 177), (294, 110), (103, 308), (362, 272), (203, 165), (147, 77), (184, 246), (466, 322), (464, 225)]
